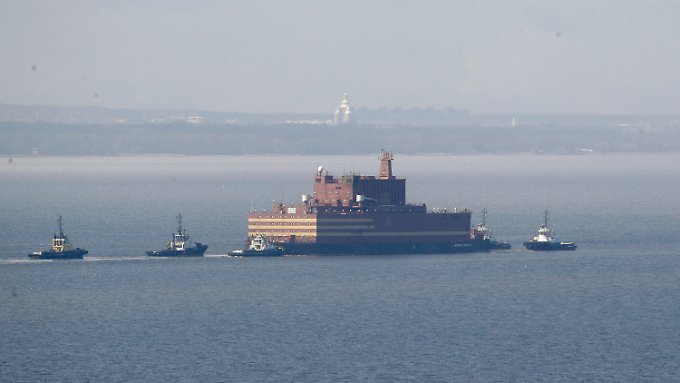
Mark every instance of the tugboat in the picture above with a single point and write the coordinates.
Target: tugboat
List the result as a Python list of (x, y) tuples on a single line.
[(481, 237), (543, 241), (179, 245), (61, 247), (258, 246)]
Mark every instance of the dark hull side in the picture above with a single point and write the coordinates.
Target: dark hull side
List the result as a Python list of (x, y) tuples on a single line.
[(196, 251), (374, 249), (49, 254), (549, 246)]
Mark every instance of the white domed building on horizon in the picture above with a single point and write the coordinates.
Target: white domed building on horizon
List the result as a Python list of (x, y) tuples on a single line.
[(343, 114)]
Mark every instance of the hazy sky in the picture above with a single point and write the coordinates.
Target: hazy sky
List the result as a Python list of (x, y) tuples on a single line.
[(494, 56)]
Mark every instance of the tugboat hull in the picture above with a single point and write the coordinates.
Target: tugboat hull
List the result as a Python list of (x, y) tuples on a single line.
[(196, 251), (50, 254), (489, 245), (254, 253), (494, 245), (549, 246)]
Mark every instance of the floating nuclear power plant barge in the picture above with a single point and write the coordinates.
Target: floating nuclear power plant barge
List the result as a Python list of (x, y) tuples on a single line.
[(357, 214)]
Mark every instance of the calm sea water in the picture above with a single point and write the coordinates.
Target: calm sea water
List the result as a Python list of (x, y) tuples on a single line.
[(606, 312)]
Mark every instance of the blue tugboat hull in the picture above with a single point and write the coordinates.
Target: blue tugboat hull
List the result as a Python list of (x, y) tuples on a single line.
[(196, 251), (500, 245), (490, 245), (255, 253), (549, 246), (50, 254)]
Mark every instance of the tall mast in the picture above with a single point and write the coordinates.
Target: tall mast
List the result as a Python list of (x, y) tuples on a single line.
[(60, 222), (546, 218), (179, 226)]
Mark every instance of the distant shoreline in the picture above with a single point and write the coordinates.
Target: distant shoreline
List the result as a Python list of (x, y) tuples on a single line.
[(53, 139)]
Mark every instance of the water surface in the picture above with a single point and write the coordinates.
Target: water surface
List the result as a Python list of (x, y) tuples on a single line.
[(606, 312)]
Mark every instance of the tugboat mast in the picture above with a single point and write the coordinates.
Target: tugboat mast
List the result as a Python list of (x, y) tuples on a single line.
[(179, 226), (60, 222)]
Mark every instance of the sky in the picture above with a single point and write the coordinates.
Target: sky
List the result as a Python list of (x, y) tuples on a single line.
[(300, 56)]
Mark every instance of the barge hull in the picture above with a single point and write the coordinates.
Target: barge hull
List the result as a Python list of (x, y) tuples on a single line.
[(373, 249)]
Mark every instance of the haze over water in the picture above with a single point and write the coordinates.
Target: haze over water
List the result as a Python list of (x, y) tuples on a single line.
[(606, 312)]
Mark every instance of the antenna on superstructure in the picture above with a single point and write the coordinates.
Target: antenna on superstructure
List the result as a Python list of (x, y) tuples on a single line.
[(179, 223), (60, 223), (545, 198)]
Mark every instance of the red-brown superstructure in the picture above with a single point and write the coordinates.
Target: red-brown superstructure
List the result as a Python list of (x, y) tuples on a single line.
[(357, 214)]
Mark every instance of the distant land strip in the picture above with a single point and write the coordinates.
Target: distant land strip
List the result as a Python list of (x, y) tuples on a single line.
[(43, 130)]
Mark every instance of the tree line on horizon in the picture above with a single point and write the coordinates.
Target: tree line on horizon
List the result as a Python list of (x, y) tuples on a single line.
[(189, 139)]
